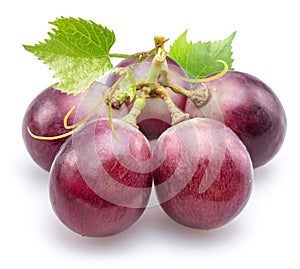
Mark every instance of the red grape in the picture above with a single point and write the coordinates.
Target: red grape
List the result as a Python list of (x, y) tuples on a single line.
[(204, 173), (99, 186), (250, 108), (45, 117)]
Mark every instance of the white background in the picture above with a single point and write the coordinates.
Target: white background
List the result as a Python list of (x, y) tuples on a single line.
[(266, 233)]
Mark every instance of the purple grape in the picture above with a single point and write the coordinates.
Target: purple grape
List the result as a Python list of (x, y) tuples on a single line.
[(250, 108), (45, 117), (203, 175), (99, 186), (155, 117)]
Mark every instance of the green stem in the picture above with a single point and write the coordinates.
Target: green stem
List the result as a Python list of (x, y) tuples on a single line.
[(120, 55), (199, 96), (158, 62), (177, 115), (138, 106), (142, 55)]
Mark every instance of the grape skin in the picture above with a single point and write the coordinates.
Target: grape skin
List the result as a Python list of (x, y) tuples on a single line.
[(91, 190), (205, 176), (44, 117), (250, 108)]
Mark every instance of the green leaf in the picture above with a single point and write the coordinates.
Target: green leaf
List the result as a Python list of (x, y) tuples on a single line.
[(199, 59), (77, 51)]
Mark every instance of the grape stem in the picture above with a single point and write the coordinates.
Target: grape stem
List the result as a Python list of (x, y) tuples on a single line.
[(159, 61), (127, 56), (159, 42), (200, 96), (138, 106), (177, 115), (141, 55)]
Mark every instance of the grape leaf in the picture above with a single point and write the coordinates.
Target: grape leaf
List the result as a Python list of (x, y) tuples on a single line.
[(199, 59), (77, 51)]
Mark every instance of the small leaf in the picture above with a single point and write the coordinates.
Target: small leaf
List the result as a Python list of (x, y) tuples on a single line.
[(200, 59), (77, 51)]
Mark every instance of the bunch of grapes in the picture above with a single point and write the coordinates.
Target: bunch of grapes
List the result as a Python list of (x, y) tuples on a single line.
[(198, 143)]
